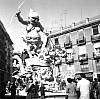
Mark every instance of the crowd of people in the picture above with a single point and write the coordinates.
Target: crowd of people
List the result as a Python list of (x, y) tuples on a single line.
[(78, 88), (82, 88), (50, 84), (32, 89)]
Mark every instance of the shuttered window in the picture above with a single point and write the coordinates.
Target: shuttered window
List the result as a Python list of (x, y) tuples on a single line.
[(81, 36), (67, 43), (82, 50), (95, 30), (67, 39), (97, 47), (56, 41), (69, 53), (97, 50)]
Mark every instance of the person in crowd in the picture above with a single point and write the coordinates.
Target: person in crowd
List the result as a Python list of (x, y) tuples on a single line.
[(91, 90), (30, 89), (13, 90), (33, 28), (3, 89), (42, 90), (36, 90), (78, 91), (24, 56), (8, 85), (63, 84), (94, 89), (71, 89), (98, 89), (83, 86), (95, 82)]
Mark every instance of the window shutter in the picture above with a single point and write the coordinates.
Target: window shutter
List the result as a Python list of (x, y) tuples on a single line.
[(56, 41), (81, 36), (67, 39), (95, 30)]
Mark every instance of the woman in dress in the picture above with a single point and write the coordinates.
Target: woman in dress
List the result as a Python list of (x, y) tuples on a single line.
[(71, 89), (30, 89)]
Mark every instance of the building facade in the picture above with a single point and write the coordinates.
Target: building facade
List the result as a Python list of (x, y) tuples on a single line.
[(6, 50), (81, 41)]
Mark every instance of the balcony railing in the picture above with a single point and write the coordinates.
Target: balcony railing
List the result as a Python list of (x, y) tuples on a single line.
[(98, 67), (83, 57), (57, 46), (83, 62), (69, 60), (68, 45), (96, 55), (81, 42), (95, 38), (85, 69)]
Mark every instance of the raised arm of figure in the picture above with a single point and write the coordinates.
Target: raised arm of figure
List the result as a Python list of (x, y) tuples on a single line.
[(25, 22)]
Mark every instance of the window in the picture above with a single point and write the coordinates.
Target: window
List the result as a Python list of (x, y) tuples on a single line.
[(97, 52), (82, 50), (98, 65), (81, 36), (67, 39), (69, 54), (67, 43), (83, 57), (95, 30), (97, 48), (85, 68), (56, 41), (70, 50)]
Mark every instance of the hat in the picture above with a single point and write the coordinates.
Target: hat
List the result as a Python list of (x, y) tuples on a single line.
[(33, 14)]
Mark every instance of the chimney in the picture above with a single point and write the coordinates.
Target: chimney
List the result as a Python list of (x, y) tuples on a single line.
[(87, 20)]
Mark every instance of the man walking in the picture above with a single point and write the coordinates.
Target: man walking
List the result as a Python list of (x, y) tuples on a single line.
[(13, 90), (83, 86)]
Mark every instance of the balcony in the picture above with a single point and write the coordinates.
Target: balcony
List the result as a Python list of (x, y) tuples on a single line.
[(83, 59), (68, 45), (98, 67), (96, 56), (58, 62), (85, 69), (81, 42), (69, 60), (95, 38), (57, 46)]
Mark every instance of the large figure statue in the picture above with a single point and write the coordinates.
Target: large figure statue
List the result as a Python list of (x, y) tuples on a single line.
[(33, 28)]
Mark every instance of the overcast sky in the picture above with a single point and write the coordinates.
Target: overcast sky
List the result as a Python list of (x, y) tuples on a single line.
[(53, 13)]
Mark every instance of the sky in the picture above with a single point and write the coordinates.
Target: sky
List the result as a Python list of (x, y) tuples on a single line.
[(53, 14)]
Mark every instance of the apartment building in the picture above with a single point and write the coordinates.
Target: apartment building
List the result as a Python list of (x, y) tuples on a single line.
[(81, 41), (6, 50)]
